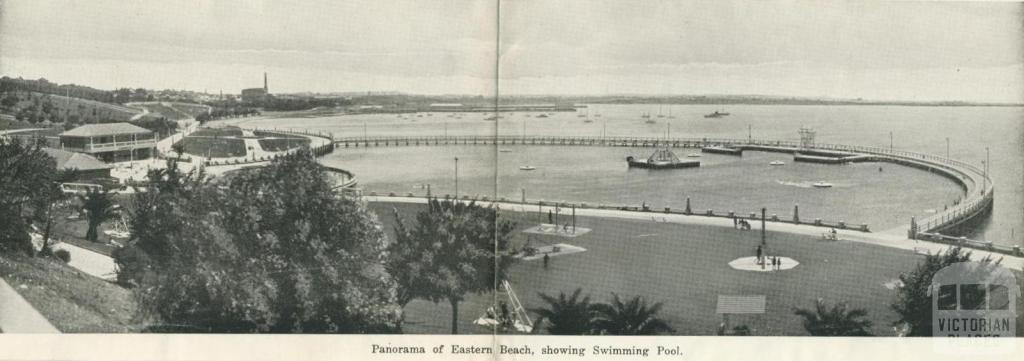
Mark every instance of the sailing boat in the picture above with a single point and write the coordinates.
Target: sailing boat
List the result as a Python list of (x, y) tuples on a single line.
[(648, 117), (588, 120), (670, 116), (659, 112)]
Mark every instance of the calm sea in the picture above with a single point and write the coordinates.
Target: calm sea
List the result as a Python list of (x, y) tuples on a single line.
[(883, 199)]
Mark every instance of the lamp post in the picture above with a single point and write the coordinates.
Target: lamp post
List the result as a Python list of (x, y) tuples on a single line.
[(890, 141), (947, 148), (988, 161), (456, 177)]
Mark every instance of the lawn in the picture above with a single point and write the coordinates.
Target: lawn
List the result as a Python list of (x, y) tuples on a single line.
[(282, 144), (191, 110), (685, 267), (71, 300), (218, 132), (165, 111)]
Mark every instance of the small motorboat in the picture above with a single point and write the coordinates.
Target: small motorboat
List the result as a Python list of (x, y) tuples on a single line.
[(542, 115), (505, 150), (777, 162), (822, 184), (693, 155), (527, 167)]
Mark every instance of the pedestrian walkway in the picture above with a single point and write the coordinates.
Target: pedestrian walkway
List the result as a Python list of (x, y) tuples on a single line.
[(93, 263), (882, 239), (18, 316)]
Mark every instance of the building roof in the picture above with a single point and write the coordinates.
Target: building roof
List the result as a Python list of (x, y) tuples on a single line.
[(93, 130), (72, 160)]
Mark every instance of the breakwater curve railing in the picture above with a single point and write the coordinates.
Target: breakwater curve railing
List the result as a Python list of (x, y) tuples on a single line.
[(976, 183)]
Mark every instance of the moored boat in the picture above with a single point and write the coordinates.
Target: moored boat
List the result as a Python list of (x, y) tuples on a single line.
[(661, 159)]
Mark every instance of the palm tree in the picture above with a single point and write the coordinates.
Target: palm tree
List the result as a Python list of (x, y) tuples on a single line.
[(179, 148), (634, 317), (99, 208), (567, 315), (835, 321)]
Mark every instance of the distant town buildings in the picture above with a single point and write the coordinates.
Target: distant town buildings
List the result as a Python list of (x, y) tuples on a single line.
[(110, 142), (256, 95)]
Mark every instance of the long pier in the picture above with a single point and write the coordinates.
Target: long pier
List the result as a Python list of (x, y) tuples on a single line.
[(976, 184)]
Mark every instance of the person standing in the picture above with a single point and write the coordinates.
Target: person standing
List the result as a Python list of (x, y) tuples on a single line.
[(546, 260), (759, 254)]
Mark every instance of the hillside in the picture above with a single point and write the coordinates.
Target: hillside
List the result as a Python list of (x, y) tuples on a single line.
[(46, 109), (71, 300)]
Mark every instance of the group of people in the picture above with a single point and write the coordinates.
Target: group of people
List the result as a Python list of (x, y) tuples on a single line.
[(740, 224), (504, 319), (764, 260)]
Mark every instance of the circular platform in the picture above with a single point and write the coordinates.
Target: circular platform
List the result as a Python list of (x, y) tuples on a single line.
[(750, 264)]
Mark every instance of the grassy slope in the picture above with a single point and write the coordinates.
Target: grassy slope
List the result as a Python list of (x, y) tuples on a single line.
[(73, 301), (165, 111), (88, 111)]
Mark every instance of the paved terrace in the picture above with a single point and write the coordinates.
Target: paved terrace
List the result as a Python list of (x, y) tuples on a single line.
[(884, 239), (976, 184)]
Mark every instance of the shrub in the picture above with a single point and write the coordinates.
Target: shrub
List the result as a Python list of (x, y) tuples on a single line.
[(63, 255)]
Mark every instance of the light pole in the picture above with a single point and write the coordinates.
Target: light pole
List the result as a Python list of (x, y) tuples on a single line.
[(988, 161), (456, 177), (890, 141), (947, 148)]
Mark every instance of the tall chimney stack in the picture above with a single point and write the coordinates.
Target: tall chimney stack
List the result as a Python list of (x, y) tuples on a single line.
[(265, 89)]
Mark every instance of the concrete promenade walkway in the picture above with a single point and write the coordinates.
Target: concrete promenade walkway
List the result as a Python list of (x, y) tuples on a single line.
[(882, 239), (18, 316), (93, 263)]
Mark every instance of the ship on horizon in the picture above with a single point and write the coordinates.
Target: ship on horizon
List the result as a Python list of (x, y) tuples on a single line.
[(716, 114)]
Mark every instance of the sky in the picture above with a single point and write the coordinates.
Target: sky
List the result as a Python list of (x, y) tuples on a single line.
[(872, 50)]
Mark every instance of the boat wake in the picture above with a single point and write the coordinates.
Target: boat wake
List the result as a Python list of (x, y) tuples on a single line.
[(808, 184), (805, 184)]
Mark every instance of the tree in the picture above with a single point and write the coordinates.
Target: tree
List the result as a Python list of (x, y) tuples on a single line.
[(634, 317), (99, 207), (834, 321), (461, 247), (23, 167), (567, 315), (46, 207), (179, 149), (913, 303), (273, 249)]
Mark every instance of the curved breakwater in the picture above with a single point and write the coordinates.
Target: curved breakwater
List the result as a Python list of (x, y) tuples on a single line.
[(977, 186)]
